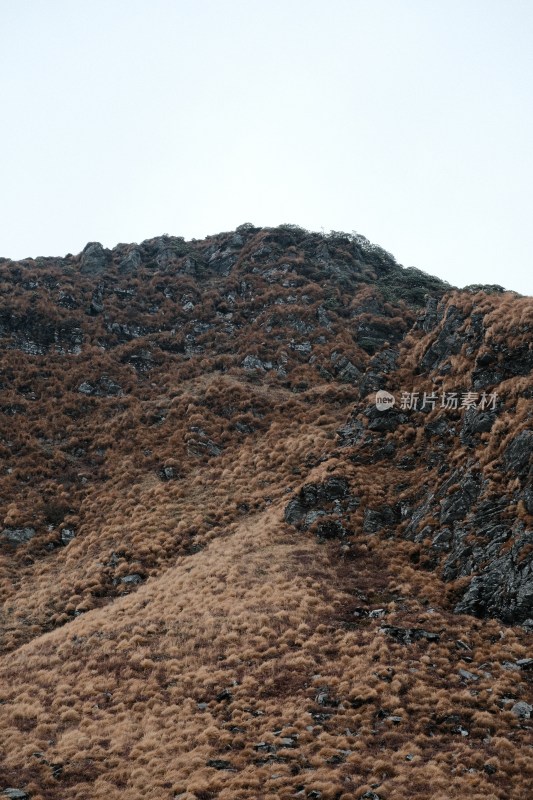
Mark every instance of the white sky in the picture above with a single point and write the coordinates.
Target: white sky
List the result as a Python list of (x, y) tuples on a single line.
[(409, 121)]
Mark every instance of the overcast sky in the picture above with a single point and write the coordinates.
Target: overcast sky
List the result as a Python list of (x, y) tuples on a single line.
[(409, 121)]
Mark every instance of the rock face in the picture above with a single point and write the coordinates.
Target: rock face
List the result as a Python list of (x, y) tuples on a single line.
[(322, 505), (93, 259), (504, 587)]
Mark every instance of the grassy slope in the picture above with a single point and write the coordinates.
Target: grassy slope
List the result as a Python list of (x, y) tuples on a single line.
[(266, 626)]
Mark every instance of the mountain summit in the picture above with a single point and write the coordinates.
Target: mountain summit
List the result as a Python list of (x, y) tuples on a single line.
[(266, 524)]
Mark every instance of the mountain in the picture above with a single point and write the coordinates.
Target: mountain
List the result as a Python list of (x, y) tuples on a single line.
[(266, 524)]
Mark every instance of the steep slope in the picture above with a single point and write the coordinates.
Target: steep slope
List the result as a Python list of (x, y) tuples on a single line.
[(225, 572)]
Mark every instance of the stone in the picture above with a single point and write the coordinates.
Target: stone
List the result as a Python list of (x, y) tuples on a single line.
[(376, 519), (103, 387), (350, 433), (430, 318), (344, 369), (474, 423), (17, 536), (294, 512), (97, 302), (131, 262), (409, 635), (447, 341), (288, 741), (265, 747), (468, 676), (219, 763), (331, 529), (67, 300), (132, 580), (312, 516), (323, 318), (93, 259), (67, 535), (503, 585), (440, 426), (522, 710), (334, 488), (455, 506), (15, 794), (254, 363), (528, 500), (384, 421)]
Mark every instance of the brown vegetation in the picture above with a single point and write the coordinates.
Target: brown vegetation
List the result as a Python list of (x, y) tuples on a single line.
[(165, 632)]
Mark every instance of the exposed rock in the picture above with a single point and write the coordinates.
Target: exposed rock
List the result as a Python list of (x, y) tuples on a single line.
[(255, 363), (431, 317), (17, 536), (377, 519), (295, 511), (331, 529), (350, 433), (97, 301), (468, 676), (384, 421), (67, 300), (528, 500), (131, 262), (15, 794), (522, 710), (455, 506), (344, 369), (103, 387), (93, 259), (409, 635), (218, 763), (447, 341), (476, 422), (504, 588), (167, 473), (132, 580), (222, 261), (519, 452), (318, 501), (67, 535)]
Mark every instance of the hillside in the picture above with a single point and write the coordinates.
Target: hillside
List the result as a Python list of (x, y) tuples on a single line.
[(224, 571)]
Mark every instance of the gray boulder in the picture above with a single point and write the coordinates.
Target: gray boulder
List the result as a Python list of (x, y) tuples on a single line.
[(93, 259), (522, 710), (17, 536)]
